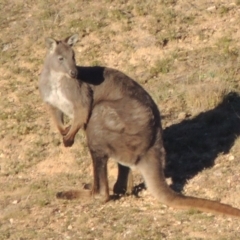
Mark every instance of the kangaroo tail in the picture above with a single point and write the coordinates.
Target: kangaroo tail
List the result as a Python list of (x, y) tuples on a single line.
[(156, 184)]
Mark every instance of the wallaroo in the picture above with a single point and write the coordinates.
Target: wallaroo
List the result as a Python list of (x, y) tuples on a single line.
[(120, 120)]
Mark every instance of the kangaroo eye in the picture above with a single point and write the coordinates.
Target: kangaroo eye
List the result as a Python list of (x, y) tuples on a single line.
[(60, 58)]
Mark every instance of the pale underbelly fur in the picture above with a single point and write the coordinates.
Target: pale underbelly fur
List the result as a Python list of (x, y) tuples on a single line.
[(59, 100)]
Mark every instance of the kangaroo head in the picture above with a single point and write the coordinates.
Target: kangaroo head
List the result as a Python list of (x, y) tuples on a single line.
[(61, 56)]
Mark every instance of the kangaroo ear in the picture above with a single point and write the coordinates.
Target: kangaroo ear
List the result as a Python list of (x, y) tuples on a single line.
[(72, 40), (51, 44)]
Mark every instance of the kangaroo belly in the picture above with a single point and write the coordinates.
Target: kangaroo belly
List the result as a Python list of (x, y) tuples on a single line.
[(59, 100)]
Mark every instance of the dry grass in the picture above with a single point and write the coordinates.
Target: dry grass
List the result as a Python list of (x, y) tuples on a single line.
[(185, 54)]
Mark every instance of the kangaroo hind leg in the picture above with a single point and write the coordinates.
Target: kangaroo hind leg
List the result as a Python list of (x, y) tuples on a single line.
[(100, 178), (124, 183)]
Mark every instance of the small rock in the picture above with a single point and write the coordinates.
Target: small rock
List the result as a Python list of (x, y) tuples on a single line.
[(211, 9), (70, 227), (232, 4), (168, 124), (6, 47), (15, 202), (182, 115)]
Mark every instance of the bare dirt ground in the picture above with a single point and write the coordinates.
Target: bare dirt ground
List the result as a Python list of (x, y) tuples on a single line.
[(184, 53)]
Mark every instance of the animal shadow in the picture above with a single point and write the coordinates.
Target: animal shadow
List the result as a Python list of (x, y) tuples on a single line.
[(194, 144)]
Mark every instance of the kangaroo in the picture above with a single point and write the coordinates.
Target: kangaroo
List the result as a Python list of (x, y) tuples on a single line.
[(121, 121), (65, 94)]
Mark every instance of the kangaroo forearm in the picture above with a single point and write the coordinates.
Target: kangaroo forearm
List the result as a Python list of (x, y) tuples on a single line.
[(79, 120), (72, 131), (57, 117)]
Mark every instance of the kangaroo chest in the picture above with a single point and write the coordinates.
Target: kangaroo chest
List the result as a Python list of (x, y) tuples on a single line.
[(57, 97)]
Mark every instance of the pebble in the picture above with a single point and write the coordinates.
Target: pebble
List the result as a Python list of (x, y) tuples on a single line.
[(211, 9), (182, 115), (15, 202)]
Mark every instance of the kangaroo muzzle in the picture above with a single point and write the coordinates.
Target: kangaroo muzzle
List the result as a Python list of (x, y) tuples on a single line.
[(73, 73)]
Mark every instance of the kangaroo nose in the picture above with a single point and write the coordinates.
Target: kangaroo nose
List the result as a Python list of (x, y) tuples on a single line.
[(73, 73)]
